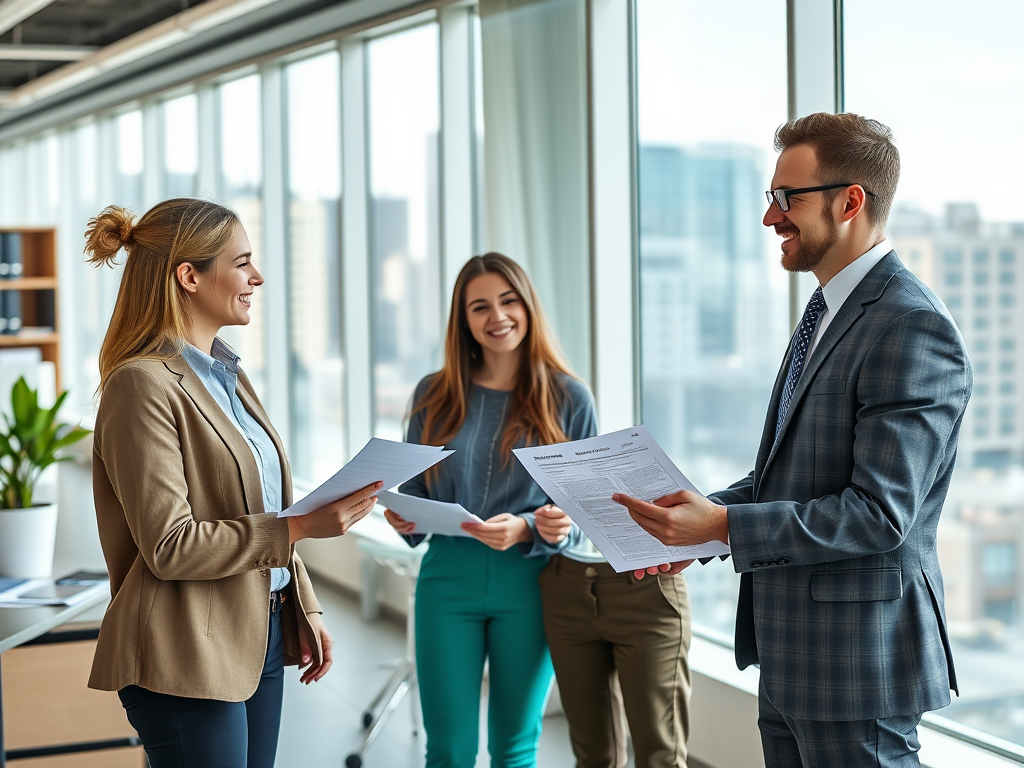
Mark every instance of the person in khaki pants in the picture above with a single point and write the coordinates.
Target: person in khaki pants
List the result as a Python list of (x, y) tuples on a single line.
[(208, 599), (619, 643)]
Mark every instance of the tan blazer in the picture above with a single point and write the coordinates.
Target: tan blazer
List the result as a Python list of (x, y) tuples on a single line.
[(188, 546)]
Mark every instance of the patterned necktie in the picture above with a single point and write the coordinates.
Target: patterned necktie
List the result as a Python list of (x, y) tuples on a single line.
[(801, 342)]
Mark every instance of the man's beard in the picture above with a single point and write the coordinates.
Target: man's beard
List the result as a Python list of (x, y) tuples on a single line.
[(811, 252)]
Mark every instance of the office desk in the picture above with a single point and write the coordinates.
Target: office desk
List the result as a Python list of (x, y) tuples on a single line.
[(35, 626)]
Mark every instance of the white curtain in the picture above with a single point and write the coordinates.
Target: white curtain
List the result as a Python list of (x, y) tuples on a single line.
[(535, 154)]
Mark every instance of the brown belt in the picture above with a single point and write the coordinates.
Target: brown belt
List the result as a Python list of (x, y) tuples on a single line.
[(276, 601)]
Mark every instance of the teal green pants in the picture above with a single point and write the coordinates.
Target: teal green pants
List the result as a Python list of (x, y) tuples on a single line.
[(474, 603)]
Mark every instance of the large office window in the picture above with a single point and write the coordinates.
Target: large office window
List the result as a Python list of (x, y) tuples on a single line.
[(129, 160), (404, 221), (964, 212), (37, 168), (713, 298), (12, 179), (240, 187), (314, 198), (480, 234), (46, 192), (90, 313), (180, 135)]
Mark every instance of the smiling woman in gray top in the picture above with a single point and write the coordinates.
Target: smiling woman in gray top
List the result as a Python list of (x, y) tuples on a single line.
[(504, 384)]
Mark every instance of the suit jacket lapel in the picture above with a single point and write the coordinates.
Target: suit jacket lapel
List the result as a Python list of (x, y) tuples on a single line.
[(867, 292), (236, 444), (768, 433)]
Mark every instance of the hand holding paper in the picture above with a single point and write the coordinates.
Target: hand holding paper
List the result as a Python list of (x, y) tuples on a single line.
[(500, 532), (427, 515), (553, 524), (584, 477), (334, 518), (680, 519), (380, 460)]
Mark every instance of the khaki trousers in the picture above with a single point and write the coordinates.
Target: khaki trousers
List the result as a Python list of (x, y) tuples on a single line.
[(618, 643)]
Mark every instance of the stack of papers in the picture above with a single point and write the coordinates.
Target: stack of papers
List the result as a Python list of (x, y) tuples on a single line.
[(430, 516), (33, 592), (380, 460)]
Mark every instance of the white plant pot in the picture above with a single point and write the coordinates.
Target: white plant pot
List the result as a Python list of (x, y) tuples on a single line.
[(27, 537)]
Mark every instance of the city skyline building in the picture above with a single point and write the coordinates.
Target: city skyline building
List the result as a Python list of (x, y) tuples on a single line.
[(712, 325), (974, 267)]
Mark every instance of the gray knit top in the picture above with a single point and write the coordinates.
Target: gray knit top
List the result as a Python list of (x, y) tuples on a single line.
[(480, 477)]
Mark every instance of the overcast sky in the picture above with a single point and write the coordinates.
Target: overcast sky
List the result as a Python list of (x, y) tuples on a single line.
[(946, 76)]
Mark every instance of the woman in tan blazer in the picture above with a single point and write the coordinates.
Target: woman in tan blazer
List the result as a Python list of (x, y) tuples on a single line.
[(209, 600)]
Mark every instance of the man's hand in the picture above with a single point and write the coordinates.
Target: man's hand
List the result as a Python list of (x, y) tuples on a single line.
[(500, 532), (314, 670), (681, 519), (552, 523)]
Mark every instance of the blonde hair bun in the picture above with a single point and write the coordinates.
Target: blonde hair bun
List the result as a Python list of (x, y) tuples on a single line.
[(108, 233)]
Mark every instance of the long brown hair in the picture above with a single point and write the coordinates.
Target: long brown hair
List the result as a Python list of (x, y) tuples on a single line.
[(151, 319), (533, 414)]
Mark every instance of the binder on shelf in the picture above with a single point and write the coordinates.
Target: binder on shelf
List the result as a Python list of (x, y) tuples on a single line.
[(5, 264), (10, 255), (28, 315), (13, 311), (46, 310), (13, 255)]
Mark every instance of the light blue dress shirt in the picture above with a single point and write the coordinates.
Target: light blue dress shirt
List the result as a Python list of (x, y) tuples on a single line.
[(219, 373)]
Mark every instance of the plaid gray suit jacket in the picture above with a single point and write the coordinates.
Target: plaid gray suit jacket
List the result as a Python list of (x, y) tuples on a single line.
[(841, 599)]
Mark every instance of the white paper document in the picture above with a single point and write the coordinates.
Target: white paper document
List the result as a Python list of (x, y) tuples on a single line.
[(581, 476), (430, 516), (385, 460), (24, 593)]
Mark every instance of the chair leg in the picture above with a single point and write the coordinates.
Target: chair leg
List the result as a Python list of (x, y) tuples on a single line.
[(389, 687), (398, 692), (414, 702)]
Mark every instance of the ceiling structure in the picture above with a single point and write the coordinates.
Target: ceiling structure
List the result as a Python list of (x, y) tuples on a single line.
[(52, 33), (57, 52)]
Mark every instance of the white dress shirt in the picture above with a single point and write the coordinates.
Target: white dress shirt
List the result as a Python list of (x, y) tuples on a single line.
[(839, 288)]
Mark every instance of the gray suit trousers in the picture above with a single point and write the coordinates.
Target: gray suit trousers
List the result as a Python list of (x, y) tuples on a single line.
[(790, 742)]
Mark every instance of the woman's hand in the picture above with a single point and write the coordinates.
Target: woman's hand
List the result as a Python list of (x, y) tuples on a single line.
[(670, 568), (399, 523), (552, 523), (334, 519), (307, 644), (500, 532)]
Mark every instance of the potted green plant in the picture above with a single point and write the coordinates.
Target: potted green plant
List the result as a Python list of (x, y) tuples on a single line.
[(30, 441)]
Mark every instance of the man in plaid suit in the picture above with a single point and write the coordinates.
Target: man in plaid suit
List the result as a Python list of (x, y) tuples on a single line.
[(841, 599)]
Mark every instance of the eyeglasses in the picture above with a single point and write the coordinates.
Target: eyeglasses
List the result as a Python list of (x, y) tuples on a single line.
[(781, 196)]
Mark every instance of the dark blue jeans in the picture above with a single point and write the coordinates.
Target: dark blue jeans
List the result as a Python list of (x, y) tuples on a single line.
[(180, 732)]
